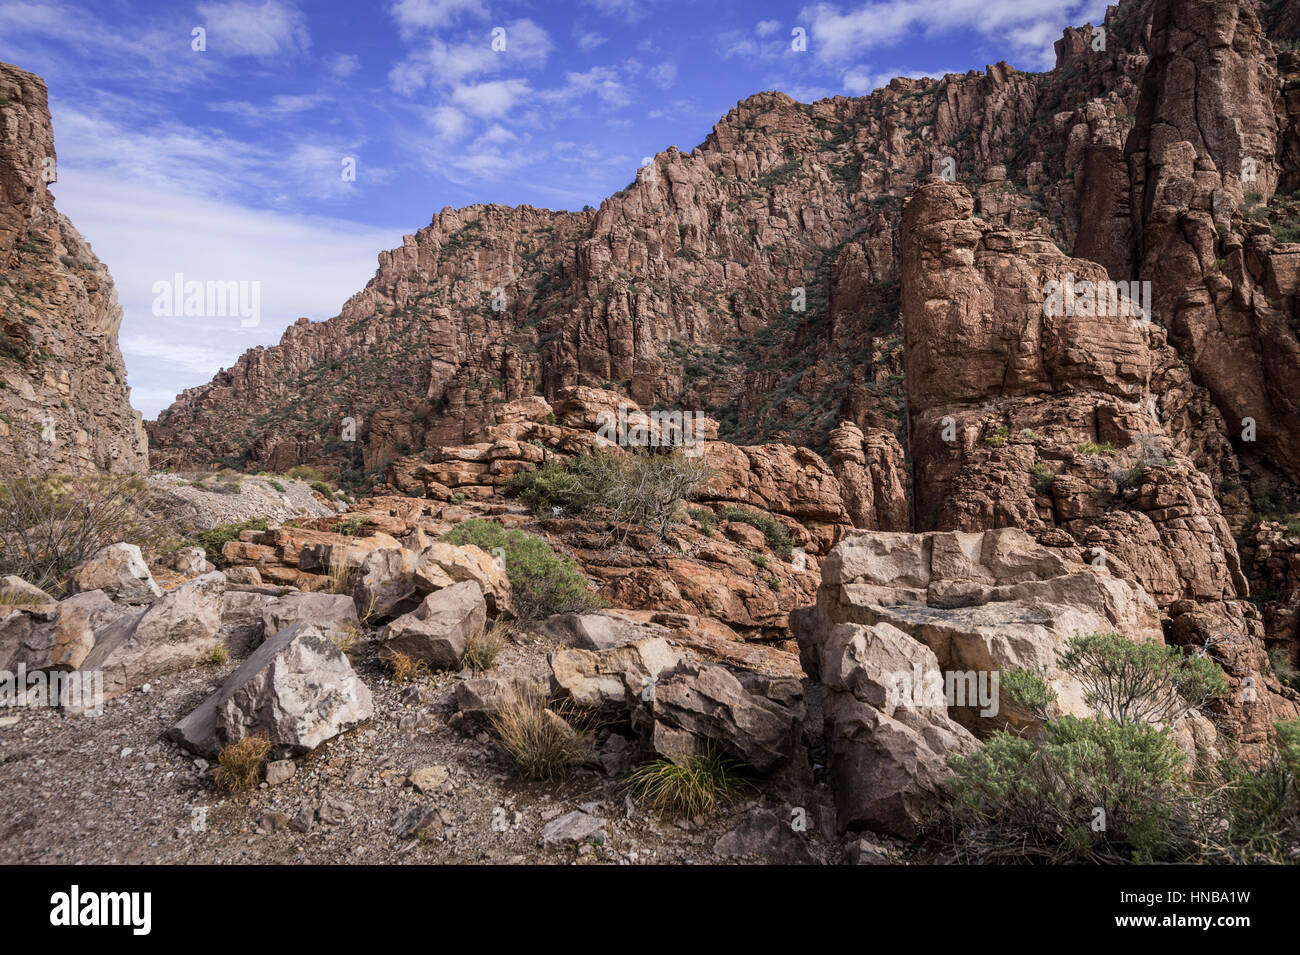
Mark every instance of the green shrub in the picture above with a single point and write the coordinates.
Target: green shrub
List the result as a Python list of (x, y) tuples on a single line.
[(542, 583), (277, 485), (1092, 447), (323, 489), (998, 437), (1140, 682), (304, 472), (213, 539), (1130, 477), (1252, 813), (641, 488), (1089, 789), (1043, 477), (775, 533)]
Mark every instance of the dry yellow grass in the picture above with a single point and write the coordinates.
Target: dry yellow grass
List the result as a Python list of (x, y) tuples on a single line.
[(540, 738), (482, 648), (403, 666), (239, 764)]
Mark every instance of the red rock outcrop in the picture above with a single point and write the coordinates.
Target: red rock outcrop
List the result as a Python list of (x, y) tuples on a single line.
[(64, 403), (1025, 413)]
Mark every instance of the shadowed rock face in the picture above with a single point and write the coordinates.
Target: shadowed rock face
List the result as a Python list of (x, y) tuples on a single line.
[(64, 404)]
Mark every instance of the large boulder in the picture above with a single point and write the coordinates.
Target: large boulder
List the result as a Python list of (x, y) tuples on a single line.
[(120, 571), (593, 631), (612, 680), (242, 616), (15, 590), (297, 690), (441, 565), (439, 628), (981, 601), (887, 745), (383, 585), (178, 631), (334, 615), (190, 561), (696, 706), (55, 636)]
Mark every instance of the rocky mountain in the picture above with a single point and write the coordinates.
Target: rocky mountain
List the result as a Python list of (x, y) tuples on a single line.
[(64, 403), (919, 269)]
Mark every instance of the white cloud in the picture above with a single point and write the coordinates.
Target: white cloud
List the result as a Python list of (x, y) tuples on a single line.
[(283, 104), (491, 99), (589, 41), (435, 62), (767, 27), (246, 28), (144, 233), (343, 65), (841, 33), (449, 122), (434, 14), (603, 81), (663, 75)]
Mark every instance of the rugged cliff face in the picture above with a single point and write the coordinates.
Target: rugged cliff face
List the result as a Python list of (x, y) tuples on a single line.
[(755, 278), (64, 403)]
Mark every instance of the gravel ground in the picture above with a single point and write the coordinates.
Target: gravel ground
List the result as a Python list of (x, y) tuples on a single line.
[(191, 503), (112, 789)]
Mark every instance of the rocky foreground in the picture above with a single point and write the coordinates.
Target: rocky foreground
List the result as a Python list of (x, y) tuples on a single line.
[(778, 647)]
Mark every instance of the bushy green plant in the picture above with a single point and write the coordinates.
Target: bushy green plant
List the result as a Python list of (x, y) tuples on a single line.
[(775, 533), (1140, 682), (542, 583), (998, 438), (643, 488), (1087, 789), (1042, 476), (1110, 787)]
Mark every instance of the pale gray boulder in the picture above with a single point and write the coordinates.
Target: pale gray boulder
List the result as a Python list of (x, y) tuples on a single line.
[(297, 690), (439, 628)]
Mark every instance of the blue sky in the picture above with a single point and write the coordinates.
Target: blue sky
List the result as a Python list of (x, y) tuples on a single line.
[(227, 164)]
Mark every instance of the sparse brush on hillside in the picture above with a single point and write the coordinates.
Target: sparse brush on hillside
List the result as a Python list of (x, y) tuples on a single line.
[(776, 534), (49, 525), (641, 488), (542, 584)]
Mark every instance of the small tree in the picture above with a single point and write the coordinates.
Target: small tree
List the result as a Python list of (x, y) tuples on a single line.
[(1141, 682)]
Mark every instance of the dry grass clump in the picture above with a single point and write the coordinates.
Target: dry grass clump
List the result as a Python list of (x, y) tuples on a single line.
[(404, 667), (219, 654), (482, 648), (239, 765), (539, 737), (346, 639), (692, 785)]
